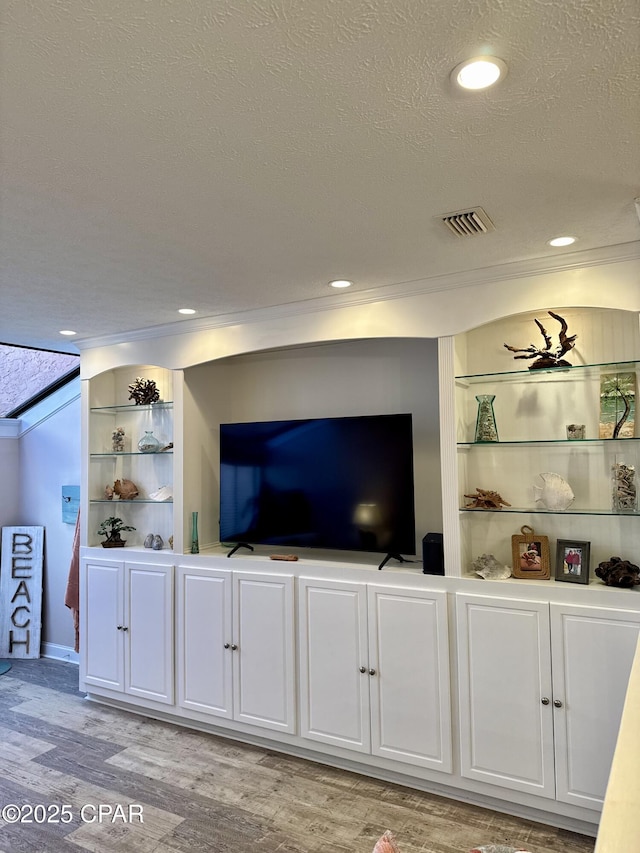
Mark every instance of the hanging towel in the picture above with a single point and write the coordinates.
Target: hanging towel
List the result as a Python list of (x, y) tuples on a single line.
[(72, 594)]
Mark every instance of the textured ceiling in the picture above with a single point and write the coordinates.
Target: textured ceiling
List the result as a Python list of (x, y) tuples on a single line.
[(230, 155)]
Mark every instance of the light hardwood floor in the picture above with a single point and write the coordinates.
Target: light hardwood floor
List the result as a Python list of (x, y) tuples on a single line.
[(198, 792)]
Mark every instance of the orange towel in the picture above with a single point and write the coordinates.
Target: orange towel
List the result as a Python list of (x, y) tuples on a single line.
[(72, 594)]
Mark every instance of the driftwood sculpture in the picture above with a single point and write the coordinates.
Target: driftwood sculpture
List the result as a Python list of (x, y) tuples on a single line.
[(486, 499), (618, 572), (545, 357)]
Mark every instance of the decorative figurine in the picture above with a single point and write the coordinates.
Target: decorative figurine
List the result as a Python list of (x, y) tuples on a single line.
[(618, 572), (108, 492), (486, 499), (555, 494), (546, 358), (148, 540), (158, 543), (143, 391)]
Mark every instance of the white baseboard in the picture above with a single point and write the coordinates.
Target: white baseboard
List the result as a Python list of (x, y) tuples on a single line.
[(56, 652)]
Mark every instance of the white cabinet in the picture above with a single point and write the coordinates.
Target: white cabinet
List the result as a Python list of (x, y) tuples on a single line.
[(236, 655), (127, 631), (541, 692), (374, 670), (593, 650)]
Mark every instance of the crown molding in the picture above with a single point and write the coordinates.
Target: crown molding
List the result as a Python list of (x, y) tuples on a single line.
[(623, 252)]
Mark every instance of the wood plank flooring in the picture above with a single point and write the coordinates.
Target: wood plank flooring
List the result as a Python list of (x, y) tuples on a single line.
[(198, 792)]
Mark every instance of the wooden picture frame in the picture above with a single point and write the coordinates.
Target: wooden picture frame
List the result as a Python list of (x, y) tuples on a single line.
[(530, 552), (572, 561)]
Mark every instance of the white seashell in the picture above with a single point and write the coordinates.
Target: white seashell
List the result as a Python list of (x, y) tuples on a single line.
[(164, 493), (555, 494)]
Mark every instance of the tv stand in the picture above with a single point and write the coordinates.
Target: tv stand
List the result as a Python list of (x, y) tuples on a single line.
[(240, 545), (397, 557)]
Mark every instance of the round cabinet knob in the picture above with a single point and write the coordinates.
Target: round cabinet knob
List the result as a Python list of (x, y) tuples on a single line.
[(233, 647), (125, 628), (545, 700), (227, 645), (557, 703), (372, 672), (119, 627), (363, 669)]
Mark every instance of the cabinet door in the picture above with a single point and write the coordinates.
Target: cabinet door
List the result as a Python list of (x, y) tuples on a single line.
[(409, 683), (204, 641), (504, 671), (102, 661), (334, 679), (263, 660), (593, 650), (149, 631)]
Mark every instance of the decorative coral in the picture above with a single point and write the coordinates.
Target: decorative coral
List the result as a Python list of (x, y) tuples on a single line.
[(143, 391), (486, 499)]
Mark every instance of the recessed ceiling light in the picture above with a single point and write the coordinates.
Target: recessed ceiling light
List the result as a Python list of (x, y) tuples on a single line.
[(338, 283), (562, 241), (479, 72), (67, 332), (186, 310)]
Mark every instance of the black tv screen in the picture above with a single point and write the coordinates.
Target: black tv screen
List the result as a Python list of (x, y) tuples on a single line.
[(334, 483)]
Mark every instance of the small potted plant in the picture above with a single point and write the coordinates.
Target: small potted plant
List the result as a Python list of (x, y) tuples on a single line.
[(112, 527)]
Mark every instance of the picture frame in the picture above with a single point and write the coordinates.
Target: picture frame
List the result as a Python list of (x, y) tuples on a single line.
[(572, 561), (530, 553)]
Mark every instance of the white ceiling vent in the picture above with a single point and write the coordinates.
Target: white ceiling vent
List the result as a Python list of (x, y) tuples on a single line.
[(465, 223)]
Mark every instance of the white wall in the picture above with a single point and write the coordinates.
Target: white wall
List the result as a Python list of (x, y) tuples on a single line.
[(329, 380), (49, 459), (10, 467)]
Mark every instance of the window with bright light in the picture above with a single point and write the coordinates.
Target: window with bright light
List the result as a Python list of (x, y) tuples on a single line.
[(27, 375)]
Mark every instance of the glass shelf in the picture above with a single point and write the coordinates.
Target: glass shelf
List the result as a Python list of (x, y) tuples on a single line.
[(128, 503), (576, 371), (561, 441), (112, 453), (131, 407), (535, 510)]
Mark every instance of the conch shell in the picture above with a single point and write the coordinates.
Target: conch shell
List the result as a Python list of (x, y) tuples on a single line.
[(125, 489), (555, 494)]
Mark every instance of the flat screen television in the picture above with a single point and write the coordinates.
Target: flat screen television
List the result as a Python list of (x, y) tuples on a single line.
[(334, 483)]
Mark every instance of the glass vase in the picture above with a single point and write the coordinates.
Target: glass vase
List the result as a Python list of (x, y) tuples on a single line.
[(148, 443), (195, 546), (624, 495), (486, 429)]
